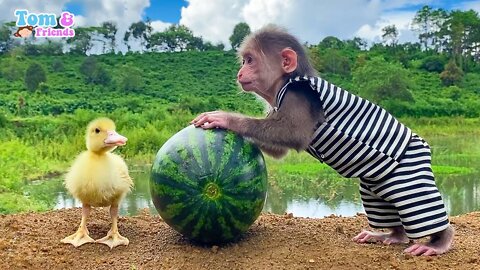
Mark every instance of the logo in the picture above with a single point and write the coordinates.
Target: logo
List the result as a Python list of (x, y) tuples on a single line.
[(44, 24)]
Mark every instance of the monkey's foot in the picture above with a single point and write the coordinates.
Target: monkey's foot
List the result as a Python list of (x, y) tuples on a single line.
[(394, 237), (113, 239), (79, 238), (440, 243)]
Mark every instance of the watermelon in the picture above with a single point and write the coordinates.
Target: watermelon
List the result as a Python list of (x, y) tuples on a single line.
[(208, 185)]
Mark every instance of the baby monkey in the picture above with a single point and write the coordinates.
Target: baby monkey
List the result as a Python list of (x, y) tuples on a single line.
[(355, 137)]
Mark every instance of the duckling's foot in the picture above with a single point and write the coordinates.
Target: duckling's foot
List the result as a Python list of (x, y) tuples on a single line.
[(113, 239), (79, 238)]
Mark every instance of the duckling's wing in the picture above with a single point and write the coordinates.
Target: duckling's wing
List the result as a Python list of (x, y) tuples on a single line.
[(123, 170), (126, 177)]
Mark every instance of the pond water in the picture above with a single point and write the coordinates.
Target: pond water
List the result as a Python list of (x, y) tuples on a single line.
[(460, 189)]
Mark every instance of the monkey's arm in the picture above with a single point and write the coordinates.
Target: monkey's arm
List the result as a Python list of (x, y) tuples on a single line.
[(292, 126), (272, 150)]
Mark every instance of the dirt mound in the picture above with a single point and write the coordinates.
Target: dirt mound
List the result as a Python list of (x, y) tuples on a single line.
[(32, 241)]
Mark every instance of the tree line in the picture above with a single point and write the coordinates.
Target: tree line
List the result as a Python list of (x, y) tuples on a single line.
[(448, 48)]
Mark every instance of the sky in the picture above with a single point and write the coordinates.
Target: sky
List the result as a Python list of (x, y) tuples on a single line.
[(214, 20)]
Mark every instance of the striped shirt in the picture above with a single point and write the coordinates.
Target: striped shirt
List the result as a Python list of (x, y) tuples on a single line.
[(358, 138)]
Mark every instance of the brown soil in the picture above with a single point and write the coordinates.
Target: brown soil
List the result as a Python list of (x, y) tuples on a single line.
[(32, 241)]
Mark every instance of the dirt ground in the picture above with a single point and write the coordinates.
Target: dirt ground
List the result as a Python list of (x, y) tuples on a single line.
[(32, 241)]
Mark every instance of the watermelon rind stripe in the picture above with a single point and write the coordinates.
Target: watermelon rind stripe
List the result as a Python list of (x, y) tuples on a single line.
[(233, 160)]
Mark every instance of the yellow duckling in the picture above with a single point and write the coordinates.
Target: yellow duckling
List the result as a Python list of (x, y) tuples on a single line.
[(99, 178)]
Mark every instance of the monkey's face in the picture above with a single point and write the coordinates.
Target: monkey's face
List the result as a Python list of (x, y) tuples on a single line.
[(258, 73), (248, 73)]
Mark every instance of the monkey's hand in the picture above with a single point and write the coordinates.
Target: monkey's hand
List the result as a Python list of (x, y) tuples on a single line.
[(216, 119)]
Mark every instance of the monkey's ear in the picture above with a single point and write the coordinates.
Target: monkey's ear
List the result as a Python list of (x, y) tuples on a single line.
[(289, 60)]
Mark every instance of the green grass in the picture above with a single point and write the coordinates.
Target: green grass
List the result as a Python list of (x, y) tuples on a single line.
[(439, 169)]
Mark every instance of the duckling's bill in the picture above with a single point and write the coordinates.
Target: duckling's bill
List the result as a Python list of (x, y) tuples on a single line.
[(115, 139)]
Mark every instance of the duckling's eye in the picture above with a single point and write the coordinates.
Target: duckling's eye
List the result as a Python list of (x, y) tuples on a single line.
[(97, 130)]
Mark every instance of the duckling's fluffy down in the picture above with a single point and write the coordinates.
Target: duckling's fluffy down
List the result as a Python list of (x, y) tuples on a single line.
[(98, 180)]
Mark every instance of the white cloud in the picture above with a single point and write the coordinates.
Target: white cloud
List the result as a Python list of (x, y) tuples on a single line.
[(475, 5), (309, 20), (159, 26), (213, 20), (401, 20), (122, 12), (394, 4)]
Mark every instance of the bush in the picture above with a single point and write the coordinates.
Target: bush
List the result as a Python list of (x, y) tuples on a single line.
[(43, 87), (3, 120), (34, 76), (452, 74), (88, 66), (12, 70), (101, 76), (132, 80), (379, 80), (93, 72), (57, 65), (434, 63)]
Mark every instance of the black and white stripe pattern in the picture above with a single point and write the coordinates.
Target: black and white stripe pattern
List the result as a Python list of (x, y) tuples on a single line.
[(358, 138), (408, 196)]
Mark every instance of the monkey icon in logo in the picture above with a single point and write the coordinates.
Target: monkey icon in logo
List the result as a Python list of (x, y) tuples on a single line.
[(24, 31)]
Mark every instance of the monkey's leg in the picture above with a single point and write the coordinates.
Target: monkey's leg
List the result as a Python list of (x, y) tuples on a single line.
[(395, 236), (81, 236), (113, 237)]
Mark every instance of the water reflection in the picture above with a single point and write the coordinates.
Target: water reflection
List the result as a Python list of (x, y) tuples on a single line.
[(135, 201), (322, 197)]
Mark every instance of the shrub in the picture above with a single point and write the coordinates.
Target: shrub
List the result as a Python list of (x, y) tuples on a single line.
[(93, 72), (132, 80), (34, 76), (57, 65), (434, 63), (379, 80), (452, 74)]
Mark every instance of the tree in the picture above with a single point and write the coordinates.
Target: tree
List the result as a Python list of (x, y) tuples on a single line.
[(462, 30), (82, 41), (390, 35), (57, 65), (428, 23), (379, 80), (132, 80), (331, 61), (34, 76), (331, 42), (109, 30), (422, 24), (452, 74), (356, 43), (5, 38), (93, 72), (140, 31), (240, 31), (208, 46), (434, 63), (175, 38)]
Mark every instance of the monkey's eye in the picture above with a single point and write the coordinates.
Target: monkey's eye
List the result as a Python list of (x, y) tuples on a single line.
[(247, 60), (97, 130)]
